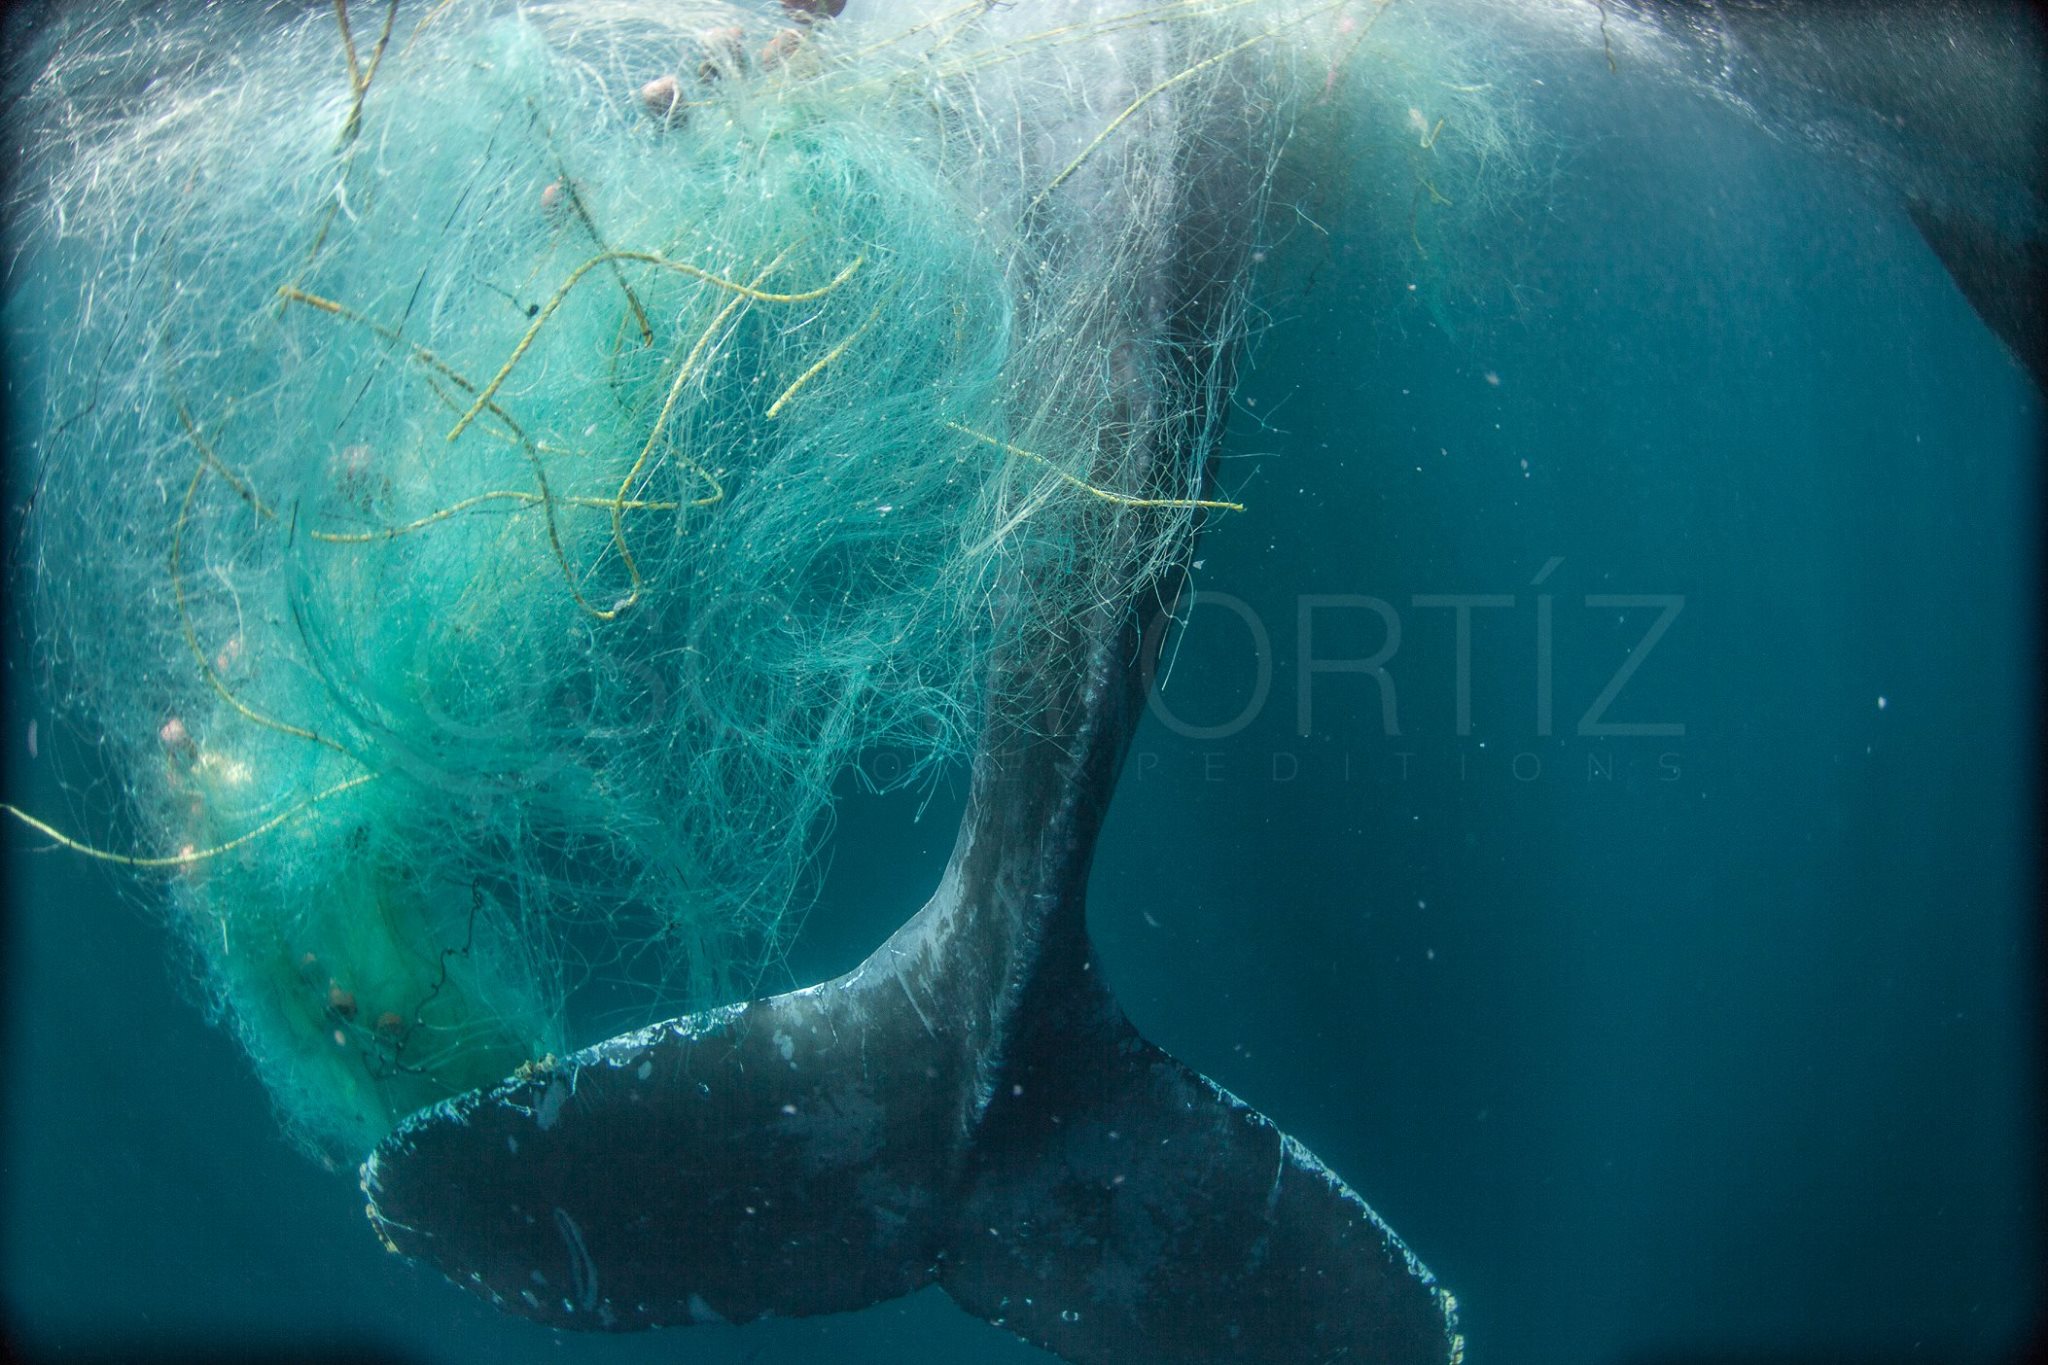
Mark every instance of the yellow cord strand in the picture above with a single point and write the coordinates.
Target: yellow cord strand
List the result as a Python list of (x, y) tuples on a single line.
[(590, 226), (197, 855), (775, 408), (547, 309), (293, 294), (234, 481), (421, 27), (1106, 494), (206, 667), (495, 495), (684, 370), (1135, 105), (973, 7), (1141, 101), (358, 78), (545, 497)]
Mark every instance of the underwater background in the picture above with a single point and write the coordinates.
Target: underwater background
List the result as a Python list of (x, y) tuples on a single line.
[(1694, 1023)]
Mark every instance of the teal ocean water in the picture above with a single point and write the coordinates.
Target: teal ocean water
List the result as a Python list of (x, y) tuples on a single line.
[(1664, 971)]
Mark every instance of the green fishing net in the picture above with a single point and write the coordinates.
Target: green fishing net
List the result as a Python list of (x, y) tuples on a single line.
[(497, 467)]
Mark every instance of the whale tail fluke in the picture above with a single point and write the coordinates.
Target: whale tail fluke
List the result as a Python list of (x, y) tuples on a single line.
[(1119, 1207), (828, 1148)]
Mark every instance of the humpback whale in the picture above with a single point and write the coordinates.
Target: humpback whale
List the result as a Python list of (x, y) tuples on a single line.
[(968, 1107)]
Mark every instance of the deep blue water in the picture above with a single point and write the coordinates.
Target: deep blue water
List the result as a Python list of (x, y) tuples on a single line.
[(1709, 1040)]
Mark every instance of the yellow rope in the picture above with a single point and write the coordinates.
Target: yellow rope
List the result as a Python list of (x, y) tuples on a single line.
[(1066, 34), (775, 408), (1106, 494), (192, 635), (1134, 106), (687, 368), (640, 258), (1141, 101), (234, 481), (421, 27), (291, 293), (568, 189), (358, 78), (546, 496), (495, 495), (971, 8), (187, 858)]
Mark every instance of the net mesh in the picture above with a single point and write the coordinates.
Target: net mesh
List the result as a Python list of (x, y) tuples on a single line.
[(498, 467)]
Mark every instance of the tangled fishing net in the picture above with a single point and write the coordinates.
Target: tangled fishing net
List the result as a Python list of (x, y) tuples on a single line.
[(497, 467)]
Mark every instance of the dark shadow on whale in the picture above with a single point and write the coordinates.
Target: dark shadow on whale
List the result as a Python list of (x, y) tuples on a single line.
[(1944, 101)]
